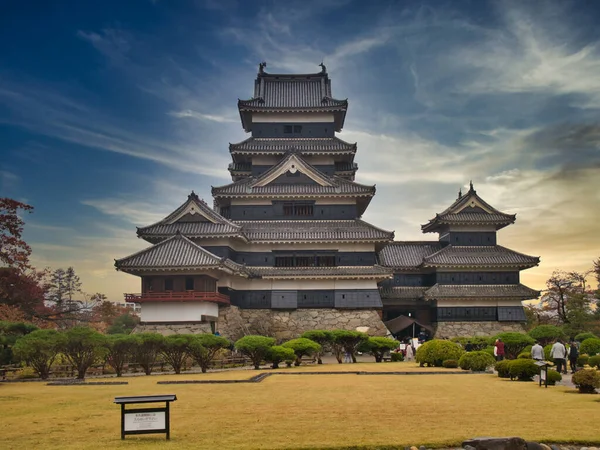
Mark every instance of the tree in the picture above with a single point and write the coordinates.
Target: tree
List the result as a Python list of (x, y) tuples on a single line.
[(14, 251), (279, 353), (255, 347), (23, 288), (123, 324), (514, 343), (83, 347), (568, 298), (379, 345), (120, 350), (204, 347), (72, 284), (39, 349), (176, 349), (302, 347), (322, 337), (546, 334), (149, 346), (10, 332), (346, 341)]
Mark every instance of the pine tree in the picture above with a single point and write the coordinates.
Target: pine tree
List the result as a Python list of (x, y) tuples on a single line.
[(72, 283)]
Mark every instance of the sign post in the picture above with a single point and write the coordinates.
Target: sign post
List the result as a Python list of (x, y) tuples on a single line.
[(145, 420), (543, 365)]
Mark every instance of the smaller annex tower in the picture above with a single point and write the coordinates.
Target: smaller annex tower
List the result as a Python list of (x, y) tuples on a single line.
[(284, 243)]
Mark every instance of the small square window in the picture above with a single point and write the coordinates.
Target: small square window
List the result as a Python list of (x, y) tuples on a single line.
[(297, 129), (288, 129), (169, 284)]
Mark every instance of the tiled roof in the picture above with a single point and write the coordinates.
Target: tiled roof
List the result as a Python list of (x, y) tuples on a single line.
[(177, 252), (407, 254), (279, 146), (402, 292), (209, 222), (469, 209), (515, 291), (313, 231), (376, 272), (479, 256), (263, 186)]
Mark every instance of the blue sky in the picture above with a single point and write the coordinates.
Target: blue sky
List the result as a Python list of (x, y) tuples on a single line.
[(112, 112)]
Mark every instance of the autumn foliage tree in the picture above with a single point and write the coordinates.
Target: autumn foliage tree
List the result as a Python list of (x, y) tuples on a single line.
[(14, 251)]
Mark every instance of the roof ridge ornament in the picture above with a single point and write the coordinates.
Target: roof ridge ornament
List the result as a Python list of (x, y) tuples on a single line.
[(261, 67), (460, 193), (471, 189), (323, 68)]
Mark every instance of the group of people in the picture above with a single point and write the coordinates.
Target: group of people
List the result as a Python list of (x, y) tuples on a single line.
[(559, 354)]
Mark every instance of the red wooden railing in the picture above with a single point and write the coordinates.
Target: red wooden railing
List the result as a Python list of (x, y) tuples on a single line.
[(172, 296)]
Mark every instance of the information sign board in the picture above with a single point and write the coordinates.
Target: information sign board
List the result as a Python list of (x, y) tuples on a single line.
[(137, 421)]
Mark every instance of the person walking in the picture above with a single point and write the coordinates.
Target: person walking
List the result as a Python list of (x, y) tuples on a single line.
[(537, 352), (499, 350), (559, 354), (347, 356), (573, 356), (410, 352)]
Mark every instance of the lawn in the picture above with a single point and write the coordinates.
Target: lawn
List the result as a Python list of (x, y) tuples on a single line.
[(296, 411)]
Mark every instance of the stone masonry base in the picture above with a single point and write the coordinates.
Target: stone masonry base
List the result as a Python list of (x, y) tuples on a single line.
[(234, 323), (446, 330)]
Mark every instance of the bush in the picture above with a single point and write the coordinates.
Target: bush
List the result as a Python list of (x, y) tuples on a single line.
[(514, 343), (594, 361), (322, 337), (546, 334), (553, 377), (476, 361), (378, 346), (346, 341), (39, 350), (255, 347), (302, 347), (477, 342), (590, 346), (586, 335), (524, 355), (120, 350), (523, 369), (148, 347), (176, 349), (489, 350), (450, 364), (397, 356), (27, 373), (502, 367), (436, 351), (586, 380), (83, 347), (279, 353), (582, 360), (204, 347)]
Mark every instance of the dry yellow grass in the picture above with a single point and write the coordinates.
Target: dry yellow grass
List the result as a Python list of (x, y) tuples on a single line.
[(295, 411)]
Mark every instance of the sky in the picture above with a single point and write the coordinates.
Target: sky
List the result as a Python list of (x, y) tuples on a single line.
[(112, 112)]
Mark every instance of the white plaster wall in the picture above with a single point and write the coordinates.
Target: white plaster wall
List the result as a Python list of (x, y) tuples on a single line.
[(243, 284), (291, 117), (177, 311)]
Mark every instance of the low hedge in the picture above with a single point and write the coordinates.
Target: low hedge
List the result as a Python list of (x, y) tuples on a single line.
[(582, 360), (586, 335), (450, 364), (436, 351), (523, 369), (586, 380), (476, 361), (397, 356), (553, 377), (477, 342), (524, 355), (590, 346), (502, 367), (594, 361)]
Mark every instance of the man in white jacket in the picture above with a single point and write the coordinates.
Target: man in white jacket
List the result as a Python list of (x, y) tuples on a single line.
[(559, 355), (537, 352)]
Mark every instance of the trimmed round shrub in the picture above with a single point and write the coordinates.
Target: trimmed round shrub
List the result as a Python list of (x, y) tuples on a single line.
[(546, 334), (255, 347), (594, 361), (397, 356), (523, 369), (502, 367), (524, 355), (39, 349), (279, 353), (302, 347), (582, 360), (204, 347), (476, 361), (378, 346), (436, 351), (514, 343), (586, 335), (586, 380), (489, 350), (477, 342), (590, 346), (450, 364), (553, 377)]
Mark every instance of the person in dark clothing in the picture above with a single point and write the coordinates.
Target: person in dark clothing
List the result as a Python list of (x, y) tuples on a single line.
[(573, 355), (499, 350), (469, 347)]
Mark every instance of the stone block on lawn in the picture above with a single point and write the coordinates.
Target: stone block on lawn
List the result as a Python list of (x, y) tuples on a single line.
[(496, 443)]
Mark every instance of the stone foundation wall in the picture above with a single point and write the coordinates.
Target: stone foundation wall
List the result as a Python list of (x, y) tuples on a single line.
[(233, 323), (291, 324), (469, 329)]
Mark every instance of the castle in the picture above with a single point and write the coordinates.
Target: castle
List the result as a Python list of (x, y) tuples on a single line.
[(284, 247)]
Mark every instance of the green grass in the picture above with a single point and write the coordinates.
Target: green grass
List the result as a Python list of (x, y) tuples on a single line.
[(295, 411)]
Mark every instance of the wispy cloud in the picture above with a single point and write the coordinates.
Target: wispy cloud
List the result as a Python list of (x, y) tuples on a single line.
[(200, 116)]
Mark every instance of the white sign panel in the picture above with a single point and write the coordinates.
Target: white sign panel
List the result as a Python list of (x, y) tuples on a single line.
[(543, 375), (145, 421)]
